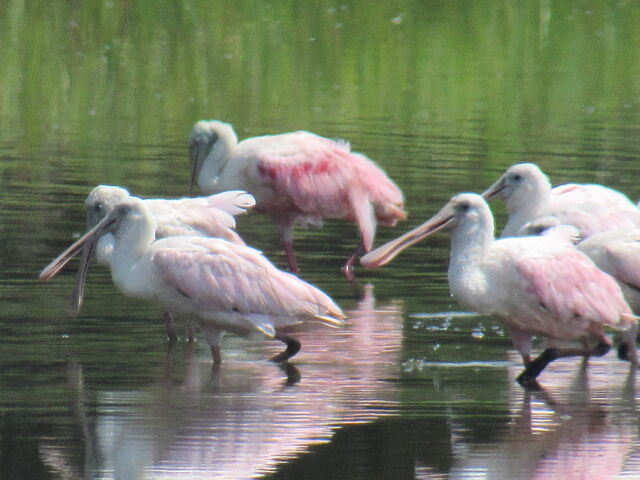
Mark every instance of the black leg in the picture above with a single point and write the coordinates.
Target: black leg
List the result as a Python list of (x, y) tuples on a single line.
[(293, 347), (528, 377), (623, 352), (292, 372)]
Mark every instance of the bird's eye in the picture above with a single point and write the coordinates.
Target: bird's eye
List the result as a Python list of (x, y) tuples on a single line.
[(123, 210), (213, 139), (517, 177), (97, 207), (464, 207)]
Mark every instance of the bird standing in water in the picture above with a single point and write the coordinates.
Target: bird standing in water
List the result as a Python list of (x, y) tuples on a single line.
[(616, 252), (297, 178), (222, 286), (536, 285), (203, 216)]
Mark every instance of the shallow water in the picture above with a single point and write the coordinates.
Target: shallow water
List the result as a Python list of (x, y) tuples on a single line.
[(444, 96)]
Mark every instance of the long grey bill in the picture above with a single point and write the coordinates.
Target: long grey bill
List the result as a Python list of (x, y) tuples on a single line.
[(77, 294)]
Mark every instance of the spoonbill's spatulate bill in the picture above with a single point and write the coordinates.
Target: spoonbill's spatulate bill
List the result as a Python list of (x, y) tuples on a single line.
[(221, 285), (536, 285), (203, 216), (296, 178), (590, 208)]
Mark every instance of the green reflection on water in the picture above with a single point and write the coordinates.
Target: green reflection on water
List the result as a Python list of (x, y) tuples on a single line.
[(443, 94), (504, 75)]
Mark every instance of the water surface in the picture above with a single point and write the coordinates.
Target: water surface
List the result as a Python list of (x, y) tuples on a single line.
[(444, 96)]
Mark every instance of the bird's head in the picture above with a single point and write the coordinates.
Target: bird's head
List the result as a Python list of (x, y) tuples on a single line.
[(462, 210), (209, 142), (101, 201), (130, 215), (519, 185)]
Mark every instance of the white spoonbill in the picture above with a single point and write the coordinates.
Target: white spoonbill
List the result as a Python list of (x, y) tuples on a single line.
[(296, 178), (536, 285), (221, 285), (203, 216), (591, 208), (617, 252)]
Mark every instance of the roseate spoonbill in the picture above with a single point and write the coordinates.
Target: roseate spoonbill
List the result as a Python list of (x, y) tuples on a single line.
[(296, 178), (223, 286), (616, 252), (536, 285), (528, 194), (204, 216)]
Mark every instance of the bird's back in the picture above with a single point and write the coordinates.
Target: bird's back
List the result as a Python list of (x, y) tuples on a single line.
[(318, 177), (546, 286), (593, 208), (219, 276), (203, 216), (617, 252)]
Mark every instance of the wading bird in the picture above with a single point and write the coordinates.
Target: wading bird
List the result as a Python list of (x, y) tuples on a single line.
[(616, 252), (211, 216), (590, 208), (536, 285), (296, 178), (222, 286)]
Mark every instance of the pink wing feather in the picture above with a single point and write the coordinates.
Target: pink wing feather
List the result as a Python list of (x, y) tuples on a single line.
[(572, 292), (321, 177), (593, 208), (222, 276), (202, 216)]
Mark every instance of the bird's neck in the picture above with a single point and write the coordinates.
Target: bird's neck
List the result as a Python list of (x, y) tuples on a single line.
[(104, 249), (533, 204), (467, 280), (469, 243), (131, 242), (213, 168)]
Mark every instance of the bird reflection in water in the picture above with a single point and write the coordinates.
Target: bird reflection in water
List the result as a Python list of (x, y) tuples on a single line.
[(242, 422), (586, 430)]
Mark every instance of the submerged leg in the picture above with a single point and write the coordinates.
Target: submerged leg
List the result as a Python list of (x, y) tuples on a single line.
[(347, 268), (290, 255), (293, 347), (528, 376), (285, 225), (216, 354), (627, 349), (522, 342), (213, 336), (292, 372), (170, 327), (191, 334)]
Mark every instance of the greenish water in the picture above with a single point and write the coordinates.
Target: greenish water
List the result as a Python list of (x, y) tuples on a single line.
[(443, 95)]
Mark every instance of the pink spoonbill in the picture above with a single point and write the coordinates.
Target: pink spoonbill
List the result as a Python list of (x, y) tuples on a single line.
[(590, 208), (297, 178), (616, 252), (536, 285), (203, 216), (222, 286)]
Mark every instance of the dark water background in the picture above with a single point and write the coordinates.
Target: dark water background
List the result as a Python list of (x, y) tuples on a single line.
[(444, 95)]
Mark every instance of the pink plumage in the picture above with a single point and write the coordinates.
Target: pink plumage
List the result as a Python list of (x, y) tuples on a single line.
[(536, 285), (219, 276), (572, 293), (297, 178), (223, 286), (590, 208), (593, 208)]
